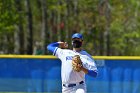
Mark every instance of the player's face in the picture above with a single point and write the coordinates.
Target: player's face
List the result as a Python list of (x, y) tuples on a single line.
[(77, 42)]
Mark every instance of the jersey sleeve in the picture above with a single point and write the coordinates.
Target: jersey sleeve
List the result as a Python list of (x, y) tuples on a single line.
[(89, 62), (90, 65), (54, 48), (58, 53)]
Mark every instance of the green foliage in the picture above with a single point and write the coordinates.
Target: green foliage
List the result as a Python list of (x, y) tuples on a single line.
[(95, 19), (8, 15), (124, 27)]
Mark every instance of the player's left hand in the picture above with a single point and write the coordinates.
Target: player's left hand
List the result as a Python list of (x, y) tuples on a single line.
[(77, 63)]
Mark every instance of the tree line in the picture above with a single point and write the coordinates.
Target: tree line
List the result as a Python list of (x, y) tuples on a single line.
[(109, 27)]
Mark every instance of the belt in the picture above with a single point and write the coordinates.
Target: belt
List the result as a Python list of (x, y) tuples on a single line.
[(72, 85)]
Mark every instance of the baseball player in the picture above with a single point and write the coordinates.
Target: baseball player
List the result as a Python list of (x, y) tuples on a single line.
[(75, 64)]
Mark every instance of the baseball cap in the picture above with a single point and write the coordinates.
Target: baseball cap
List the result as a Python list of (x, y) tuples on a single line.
[(77, 35)]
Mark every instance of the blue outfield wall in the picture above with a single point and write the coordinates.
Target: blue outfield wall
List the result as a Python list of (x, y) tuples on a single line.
[(43, 75)]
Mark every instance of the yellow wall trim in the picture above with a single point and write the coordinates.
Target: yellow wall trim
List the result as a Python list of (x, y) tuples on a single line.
[(53, 57)]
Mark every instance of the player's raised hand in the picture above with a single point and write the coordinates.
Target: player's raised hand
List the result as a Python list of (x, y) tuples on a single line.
[(63, 45)]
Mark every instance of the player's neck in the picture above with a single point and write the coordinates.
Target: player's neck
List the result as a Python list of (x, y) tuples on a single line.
[(77, 49)]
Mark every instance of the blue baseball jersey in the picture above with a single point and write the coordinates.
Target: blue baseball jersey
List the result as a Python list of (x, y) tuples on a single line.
[(68, 75)]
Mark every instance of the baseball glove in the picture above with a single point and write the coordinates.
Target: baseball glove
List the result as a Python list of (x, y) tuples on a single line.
[(77, 63)]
